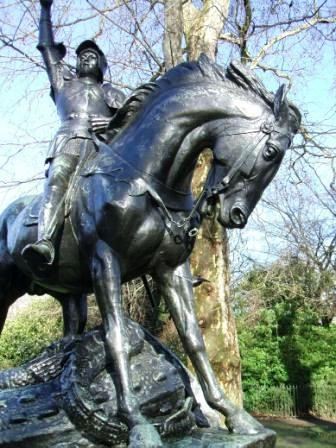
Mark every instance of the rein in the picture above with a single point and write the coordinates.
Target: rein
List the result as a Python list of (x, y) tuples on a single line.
[(212, 192), (266, 128), (183, 223), (208, 192), (234, 170)]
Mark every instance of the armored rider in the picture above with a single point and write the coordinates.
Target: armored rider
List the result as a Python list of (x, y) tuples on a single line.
[(85, 106)]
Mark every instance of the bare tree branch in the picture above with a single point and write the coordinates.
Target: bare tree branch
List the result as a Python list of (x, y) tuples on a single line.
[(285, 35)]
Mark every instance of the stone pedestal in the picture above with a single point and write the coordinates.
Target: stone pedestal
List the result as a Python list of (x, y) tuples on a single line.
[(219, 438), (66, 398)]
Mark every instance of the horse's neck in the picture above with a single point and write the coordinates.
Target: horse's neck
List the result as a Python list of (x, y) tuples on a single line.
[(158, 141), (166, 137), (152, 141), (182, 169)]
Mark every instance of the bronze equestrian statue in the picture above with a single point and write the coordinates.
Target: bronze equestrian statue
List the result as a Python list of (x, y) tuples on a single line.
[(132, 211), (85, 106)]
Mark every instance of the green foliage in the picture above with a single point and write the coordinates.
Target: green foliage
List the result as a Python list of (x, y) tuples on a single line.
[(324, 400), (293, 400), (260, 354), (273, 400), (34, 328), (281, 333)]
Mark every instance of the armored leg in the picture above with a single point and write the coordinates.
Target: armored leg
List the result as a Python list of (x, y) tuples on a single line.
[(51, 218)]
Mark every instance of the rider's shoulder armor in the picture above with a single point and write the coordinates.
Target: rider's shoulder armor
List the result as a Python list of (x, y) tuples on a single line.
[(114, 97)]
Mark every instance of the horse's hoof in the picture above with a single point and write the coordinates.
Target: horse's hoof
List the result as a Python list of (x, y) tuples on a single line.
[(144, 436), (241, 422)]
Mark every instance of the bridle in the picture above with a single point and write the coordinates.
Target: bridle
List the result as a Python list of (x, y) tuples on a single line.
[(245, 163), (247, 160)]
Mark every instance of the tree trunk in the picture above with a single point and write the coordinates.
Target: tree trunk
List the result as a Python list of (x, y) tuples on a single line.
[(203, 26), (172, 39), (210, 259)]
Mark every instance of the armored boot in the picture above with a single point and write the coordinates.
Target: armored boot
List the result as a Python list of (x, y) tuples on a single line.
[(41, 254)]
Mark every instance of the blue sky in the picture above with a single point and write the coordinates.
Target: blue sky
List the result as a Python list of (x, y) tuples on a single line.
[(28, 114)]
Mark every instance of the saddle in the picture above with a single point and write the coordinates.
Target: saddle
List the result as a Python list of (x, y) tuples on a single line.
[(33, 212), (110, 163)]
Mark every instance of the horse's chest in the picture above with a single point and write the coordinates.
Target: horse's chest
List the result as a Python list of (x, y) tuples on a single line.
[(128, 223), (132, 225), (175, 247)]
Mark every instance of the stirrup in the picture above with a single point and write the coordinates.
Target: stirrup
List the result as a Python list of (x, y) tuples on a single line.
[(40, 254)]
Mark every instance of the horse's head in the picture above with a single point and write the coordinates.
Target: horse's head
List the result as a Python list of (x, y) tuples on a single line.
[(198, 105), (247, 155)]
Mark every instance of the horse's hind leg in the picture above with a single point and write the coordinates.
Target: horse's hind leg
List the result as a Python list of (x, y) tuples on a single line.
[(176, 287), (82, 309), (107, 287), (12, 286), (74, 307), (4, 307)]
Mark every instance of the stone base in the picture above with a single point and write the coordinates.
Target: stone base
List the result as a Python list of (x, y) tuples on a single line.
[(219, 438), (199, 438), (66, 398)]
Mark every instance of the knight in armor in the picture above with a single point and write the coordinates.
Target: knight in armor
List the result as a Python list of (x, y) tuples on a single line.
[(85, 106)]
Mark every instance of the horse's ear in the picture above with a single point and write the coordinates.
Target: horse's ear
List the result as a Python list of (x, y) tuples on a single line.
[(280, 102)]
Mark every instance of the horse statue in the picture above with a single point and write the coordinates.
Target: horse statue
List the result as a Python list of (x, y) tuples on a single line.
[(15, 282), (133, 212)]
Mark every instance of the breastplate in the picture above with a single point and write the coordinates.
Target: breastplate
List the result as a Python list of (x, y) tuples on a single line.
[(79, 99)]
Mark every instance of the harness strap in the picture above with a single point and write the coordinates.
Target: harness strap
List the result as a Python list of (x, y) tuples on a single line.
[(221, 186), (183, 222)]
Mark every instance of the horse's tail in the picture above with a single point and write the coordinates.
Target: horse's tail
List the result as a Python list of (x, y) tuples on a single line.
[(12, 282)]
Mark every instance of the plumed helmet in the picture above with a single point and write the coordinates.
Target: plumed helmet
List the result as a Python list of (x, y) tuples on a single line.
[(91, 45)]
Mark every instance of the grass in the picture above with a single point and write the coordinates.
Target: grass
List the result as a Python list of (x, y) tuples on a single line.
[(309, 433), (34, 327)]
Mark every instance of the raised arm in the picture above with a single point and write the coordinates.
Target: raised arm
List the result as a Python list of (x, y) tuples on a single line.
[(51, 51), (46, 37)]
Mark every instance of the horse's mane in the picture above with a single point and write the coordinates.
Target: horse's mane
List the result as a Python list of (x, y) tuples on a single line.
[(236, 77)]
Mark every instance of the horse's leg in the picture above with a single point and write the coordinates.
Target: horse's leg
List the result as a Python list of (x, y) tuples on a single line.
[(82, 312), (4, 283), (9, 293), (5, 303), (176, 287), (107, 287), (74, 309), (13, 284)]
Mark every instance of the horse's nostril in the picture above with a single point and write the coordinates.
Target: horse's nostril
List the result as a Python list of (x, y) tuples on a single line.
[(238, 216)]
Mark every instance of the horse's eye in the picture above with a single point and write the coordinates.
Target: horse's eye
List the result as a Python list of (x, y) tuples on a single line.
[(270, 152)]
